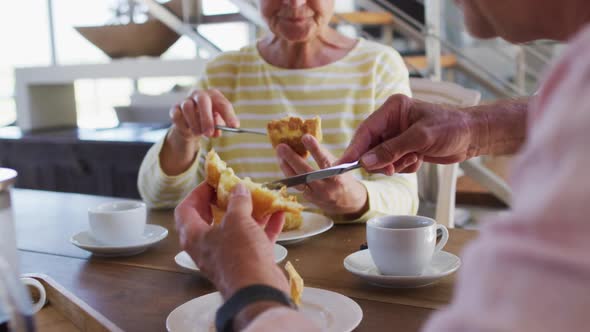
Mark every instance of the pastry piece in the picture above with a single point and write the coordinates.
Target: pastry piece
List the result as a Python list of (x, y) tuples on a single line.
[(289, 130), (292, 221), (217, 213), (264, 201), (295, 283)]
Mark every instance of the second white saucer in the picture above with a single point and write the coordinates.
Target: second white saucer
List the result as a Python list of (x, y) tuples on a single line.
[(151, 235), (185, 261), (361, 264)]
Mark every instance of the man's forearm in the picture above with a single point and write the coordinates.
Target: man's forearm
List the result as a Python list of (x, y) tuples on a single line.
[(499, 128)]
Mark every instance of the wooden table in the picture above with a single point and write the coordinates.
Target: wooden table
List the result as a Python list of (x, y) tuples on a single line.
[(137, 293)]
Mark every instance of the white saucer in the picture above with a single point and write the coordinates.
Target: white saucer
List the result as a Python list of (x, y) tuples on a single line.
[(185, 261), (313, 224), (330, 311), (151, 235), (361, 264)]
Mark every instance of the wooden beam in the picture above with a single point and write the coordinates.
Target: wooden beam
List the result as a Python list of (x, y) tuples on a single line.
[(420, 62), (363, 18)]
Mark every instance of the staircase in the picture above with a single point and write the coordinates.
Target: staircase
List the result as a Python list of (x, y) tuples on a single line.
[(495, 67)]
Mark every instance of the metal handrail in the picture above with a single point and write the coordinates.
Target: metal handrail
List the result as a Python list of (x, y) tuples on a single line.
[(409, 26), (165, 16), (419, 32)]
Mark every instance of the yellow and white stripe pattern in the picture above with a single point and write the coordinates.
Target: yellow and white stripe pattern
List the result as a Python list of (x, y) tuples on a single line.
[(342, 93)]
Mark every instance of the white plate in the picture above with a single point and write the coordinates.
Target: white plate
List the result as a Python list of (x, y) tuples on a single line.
[(361, 264), (313, 224), (185, 261), (330, 311), (151, 235)]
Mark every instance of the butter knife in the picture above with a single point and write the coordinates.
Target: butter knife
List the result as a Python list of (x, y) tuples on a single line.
[(313, 176), (240, 130)]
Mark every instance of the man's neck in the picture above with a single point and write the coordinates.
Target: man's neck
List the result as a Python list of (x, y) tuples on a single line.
[(576, 17)]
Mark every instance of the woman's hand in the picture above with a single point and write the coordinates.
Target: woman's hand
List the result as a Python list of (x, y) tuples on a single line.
[(338, 195), (237, 253), (196, 116)]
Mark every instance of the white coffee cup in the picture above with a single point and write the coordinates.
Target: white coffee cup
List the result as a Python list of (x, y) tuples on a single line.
[(34, 283), (118, 223), (403, 245)]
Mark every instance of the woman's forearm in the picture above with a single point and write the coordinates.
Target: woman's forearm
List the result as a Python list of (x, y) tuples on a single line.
[(178, 153)]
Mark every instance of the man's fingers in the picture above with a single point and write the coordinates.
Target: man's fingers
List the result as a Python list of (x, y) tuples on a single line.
[(405, 161), (224, 108), (390, 151), (240, 203), (191, 232), (193, 213), (322, 157), (412, 168), (445, 160), (361, 142), (197, 201), (387, 121), (274, 226)]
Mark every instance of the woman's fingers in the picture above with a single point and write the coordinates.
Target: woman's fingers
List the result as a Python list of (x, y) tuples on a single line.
[(288, 171), (291, 163), (189, 111), (222, 106), (218, 121), (177, 118), (205, 109), (205, 113), (298, 164), (322, 157)]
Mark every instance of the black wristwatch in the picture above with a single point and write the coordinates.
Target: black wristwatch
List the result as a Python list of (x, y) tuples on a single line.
[(224, 319)]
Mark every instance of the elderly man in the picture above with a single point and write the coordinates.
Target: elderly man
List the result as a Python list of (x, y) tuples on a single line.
[(529, 270)]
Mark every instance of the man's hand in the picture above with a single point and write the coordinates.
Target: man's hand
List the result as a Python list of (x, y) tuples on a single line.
[(237, 253), (404, 132)]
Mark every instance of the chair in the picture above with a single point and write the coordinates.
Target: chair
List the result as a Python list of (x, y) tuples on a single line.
[(437, 183)]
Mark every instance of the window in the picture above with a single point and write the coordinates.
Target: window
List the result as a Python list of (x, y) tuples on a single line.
[(94, 98), (25, 42)]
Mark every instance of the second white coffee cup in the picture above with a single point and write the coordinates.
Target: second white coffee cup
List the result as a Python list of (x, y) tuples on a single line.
[(118, 223), (403, 245)]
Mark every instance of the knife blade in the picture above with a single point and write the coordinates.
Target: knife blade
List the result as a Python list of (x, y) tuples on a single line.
[(313, 176), (240, 130)]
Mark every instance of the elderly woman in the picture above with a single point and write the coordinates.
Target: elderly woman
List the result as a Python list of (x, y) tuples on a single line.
[(304, 68), (529, 269)]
